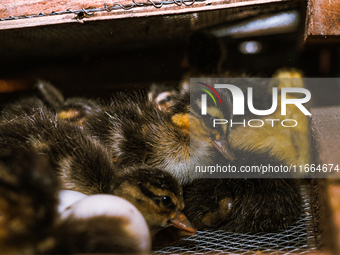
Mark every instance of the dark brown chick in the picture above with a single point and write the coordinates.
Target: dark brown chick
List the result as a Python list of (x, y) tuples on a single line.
[(157, 195), (30, 223), (238, 204), (234, 204), (137, 132), (85, 165), (28, 202), (43, 96)]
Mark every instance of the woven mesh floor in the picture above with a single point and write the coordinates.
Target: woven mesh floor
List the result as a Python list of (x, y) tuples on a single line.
[(299, 238)]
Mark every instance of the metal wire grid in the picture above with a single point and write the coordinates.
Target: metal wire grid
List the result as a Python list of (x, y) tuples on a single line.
[(116, 6), (299, 238)]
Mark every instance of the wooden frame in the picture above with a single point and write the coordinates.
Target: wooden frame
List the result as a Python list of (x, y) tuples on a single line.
[(11, 8), (323, 18)]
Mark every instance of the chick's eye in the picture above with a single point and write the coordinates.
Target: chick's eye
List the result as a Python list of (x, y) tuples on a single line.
[(166, 201), (211, 122), (168, 98), (165, 100)]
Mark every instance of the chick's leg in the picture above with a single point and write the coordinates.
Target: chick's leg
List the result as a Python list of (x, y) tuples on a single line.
[(212, 219)]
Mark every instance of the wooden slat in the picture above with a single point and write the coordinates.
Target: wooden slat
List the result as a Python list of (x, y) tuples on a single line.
[(19, 8), (323, 18)]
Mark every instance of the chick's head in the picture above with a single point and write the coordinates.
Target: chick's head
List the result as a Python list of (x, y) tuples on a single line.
[(206, 118), (157, 195)]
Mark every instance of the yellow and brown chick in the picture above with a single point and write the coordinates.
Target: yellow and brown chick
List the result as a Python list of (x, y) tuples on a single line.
[(237, 204), (293, 143)]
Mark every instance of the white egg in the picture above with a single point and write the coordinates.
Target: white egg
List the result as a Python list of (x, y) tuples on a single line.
[(113, 206), (67, 198)]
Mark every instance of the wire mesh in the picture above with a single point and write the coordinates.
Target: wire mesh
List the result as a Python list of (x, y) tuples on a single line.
[(298, 238), (116, 6)]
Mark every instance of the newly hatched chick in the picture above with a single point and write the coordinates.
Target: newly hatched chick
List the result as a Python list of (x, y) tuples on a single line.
[(157, 195), (44, 95), (28, 200), (293, 143), (30, 223), (150, 190), (210, 205), (74, 109), (244, 204), (136, 132), (85, 165)]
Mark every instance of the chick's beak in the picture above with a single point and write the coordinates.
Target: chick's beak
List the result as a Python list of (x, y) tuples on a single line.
[(181, 222), (223, 146)]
